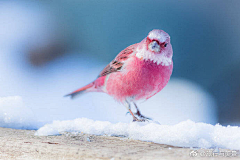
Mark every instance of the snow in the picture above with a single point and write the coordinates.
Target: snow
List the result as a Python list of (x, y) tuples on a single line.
[(183, 134), (14, 114)]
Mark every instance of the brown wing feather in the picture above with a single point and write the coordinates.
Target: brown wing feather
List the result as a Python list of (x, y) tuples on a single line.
[(117, 63)]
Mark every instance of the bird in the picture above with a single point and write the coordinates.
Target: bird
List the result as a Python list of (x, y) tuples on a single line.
[(137, 73)]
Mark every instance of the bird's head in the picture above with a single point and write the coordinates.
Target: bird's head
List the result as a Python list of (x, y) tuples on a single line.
[(156, 47), (157, 41)]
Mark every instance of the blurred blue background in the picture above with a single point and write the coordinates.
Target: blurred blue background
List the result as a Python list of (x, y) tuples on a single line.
[(49, 48)]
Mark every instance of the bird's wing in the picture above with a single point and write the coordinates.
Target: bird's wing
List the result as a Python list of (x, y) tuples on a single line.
[(116, 64)]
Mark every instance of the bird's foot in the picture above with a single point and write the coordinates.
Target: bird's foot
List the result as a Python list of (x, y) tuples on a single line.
[(139, 120), (141, 116), (135, 119)]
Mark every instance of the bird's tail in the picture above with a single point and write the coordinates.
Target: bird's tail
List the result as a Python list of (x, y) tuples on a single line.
[(80, 91)]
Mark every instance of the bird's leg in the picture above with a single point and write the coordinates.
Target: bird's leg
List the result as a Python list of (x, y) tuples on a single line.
[(138, 113), (128, 106)]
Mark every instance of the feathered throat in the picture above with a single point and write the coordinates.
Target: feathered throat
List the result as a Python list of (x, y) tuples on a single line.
[(159, 59)]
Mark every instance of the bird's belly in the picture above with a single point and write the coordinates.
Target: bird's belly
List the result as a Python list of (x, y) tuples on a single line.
[(139, 82)]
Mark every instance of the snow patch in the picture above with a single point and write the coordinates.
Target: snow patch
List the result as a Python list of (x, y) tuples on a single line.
[(14, 114), (183, 134)]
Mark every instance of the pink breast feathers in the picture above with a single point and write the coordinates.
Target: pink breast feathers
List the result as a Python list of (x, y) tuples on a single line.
[(142, 80)]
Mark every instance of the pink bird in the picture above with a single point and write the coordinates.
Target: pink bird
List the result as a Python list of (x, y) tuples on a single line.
[(138, 72)]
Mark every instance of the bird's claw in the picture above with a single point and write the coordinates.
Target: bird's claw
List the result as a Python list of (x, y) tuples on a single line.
[(143, 117), (140, 120), (139, 115)]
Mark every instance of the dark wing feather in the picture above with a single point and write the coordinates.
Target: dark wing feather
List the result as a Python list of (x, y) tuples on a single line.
[(117, 63)]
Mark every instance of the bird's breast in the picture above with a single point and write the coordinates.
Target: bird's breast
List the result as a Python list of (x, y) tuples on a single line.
[(139, 79)]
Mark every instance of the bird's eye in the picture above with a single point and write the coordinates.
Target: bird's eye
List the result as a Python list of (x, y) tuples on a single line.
[(165, 45)]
